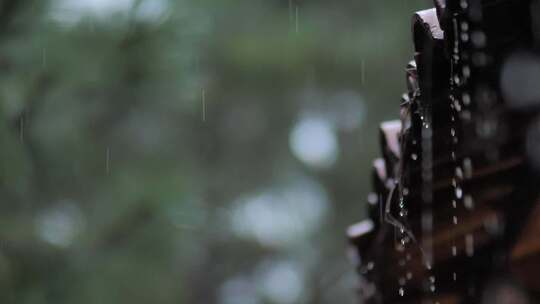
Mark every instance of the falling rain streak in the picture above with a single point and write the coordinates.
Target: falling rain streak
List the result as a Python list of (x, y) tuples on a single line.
[(203, 104), (44, 57), (427, 195), (457, 158), (21, 129), (363, 71), (107, 160), (296, 18), (293, 15), (454, 109), (290, 11)]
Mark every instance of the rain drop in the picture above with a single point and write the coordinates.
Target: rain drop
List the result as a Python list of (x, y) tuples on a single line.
[(405, 191), (518, 80), (479, 39), (466, 71), (469, 245), (459, 173), (466, 99), (404, 240), (533, 144), (459, 192), (467, 167), (468, 202)]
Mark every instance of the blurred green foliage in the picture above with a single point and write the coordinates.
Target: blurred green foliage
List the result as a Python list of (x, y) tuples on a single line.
[(136, 135)]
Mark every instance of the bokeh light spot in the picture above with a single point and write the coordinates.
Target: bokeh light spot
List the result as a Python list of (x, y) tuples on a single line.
[(314, 142)]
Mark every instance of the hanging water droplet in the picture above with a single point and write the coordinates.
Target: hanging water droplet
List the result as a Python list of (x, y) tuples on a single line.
[(479, 59), (454, 275), (459, 173), (533, 144), (404, 240), (401, 291), (469, 245), (492, 225), (465, 115), (517, 80), (414, 156), (467, 167), (459, 192), (479, 39), (372, 198), (468, 202), (466, 71), (409, 275), (454, 220), (457, 80), (457, 106), (466, 99), (454, 250), (487, 127)]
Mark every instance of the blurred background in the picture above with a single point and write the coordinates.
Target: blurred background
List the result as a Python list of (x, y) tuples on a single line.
[(190, 151)]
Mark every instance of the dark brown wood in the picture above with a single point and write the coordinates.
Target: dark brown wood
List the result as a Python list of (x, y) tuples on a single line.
[(455, 212)]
